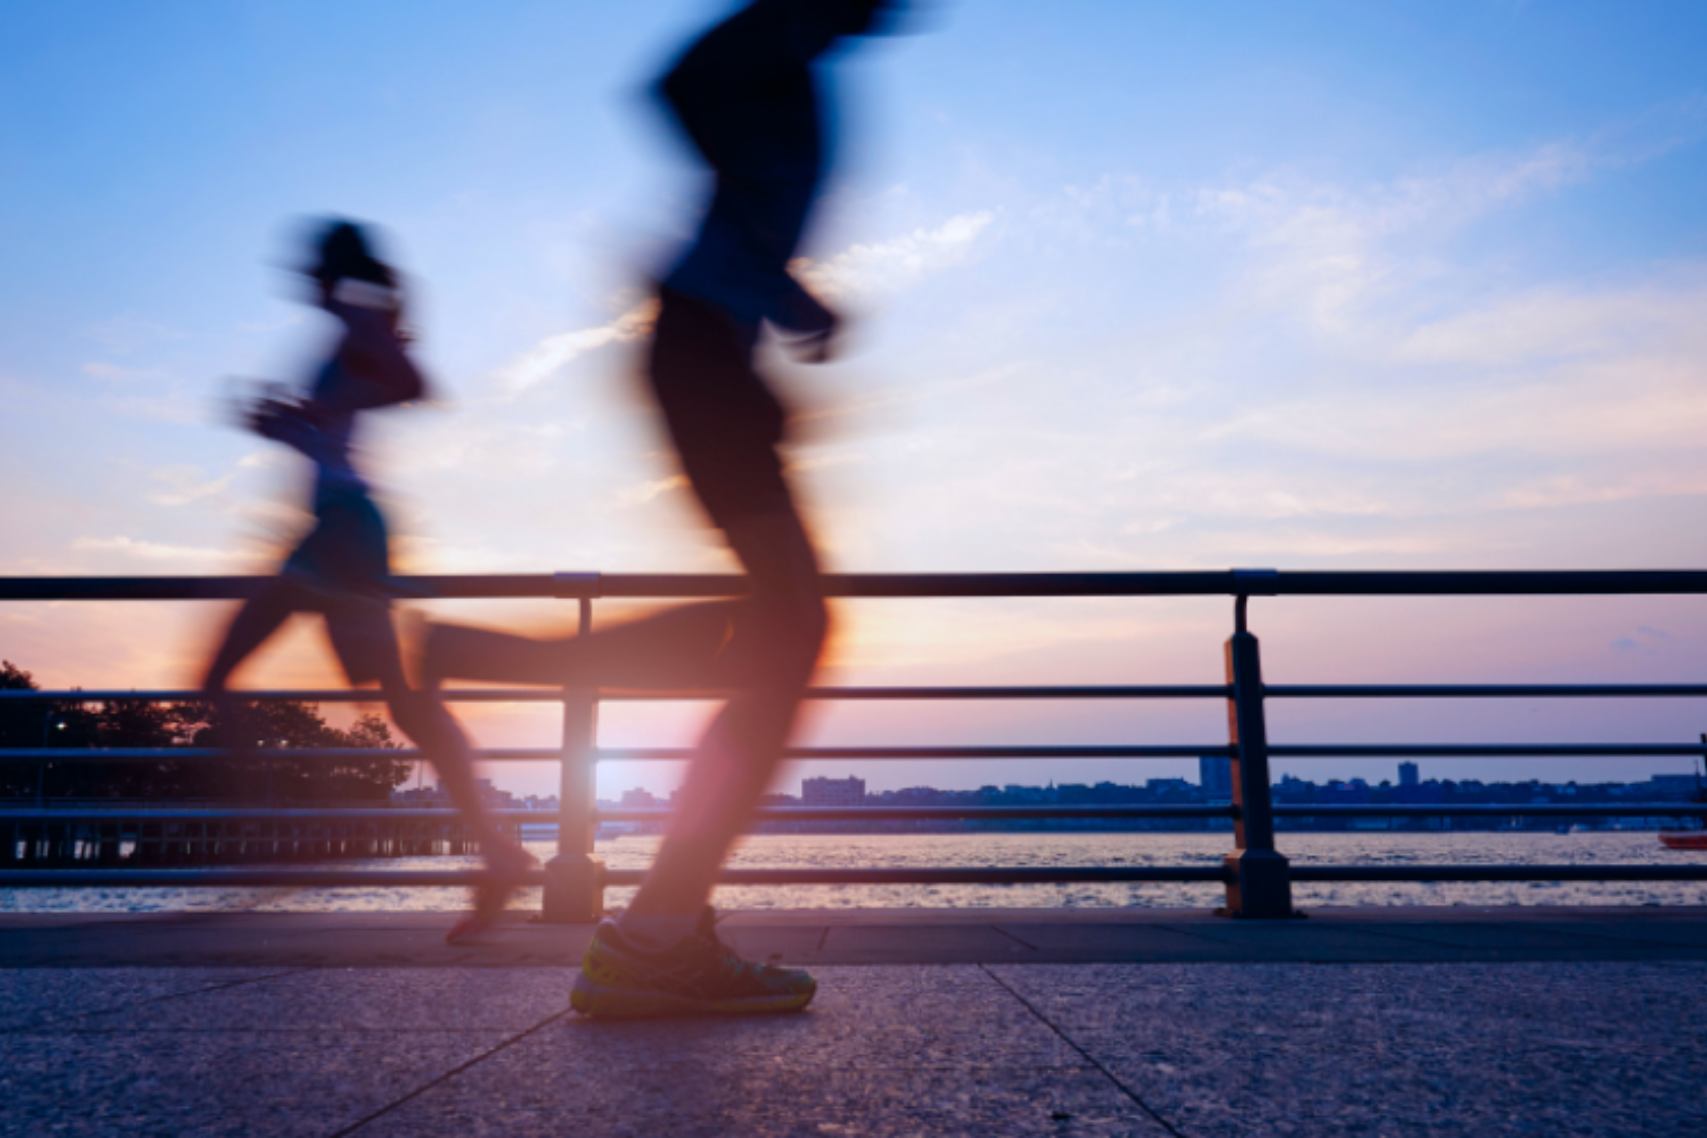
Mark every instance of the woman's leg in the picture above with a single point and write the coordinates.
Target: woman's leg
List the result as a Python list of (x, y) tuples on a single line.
[(680, 648), (423, 717), (254, 622)]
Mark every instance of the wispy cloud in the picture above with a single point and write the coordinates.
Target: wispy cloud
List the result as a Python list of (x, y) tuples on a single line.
[(860, 270), (128, 334), (139, 549), (1559, 323), (1330, 251), (552, 354), (642, 493), (182, 484), (865, 270), (100, 369)]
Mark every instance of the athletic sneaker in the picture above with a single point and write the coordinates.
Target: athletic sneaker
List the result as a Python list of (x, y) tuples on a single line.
[(699, 976)]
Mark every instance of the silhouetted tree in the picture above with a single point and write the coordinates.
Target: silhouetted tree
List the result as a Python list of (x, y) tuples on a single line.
[(283, 725), (22, 724), (271, 724)]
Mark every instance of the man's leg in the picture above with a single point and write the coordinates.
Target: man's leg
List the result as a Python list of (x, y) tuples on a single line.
[(661, 957), (784, 624)]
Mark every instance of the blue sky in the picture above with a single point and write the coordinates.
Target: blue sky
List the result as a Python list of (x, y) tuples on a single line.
[(1140, 286)]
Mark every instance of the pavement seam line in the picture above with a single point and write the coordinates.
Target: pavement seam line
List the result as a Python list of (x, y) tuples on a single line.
[(1083, 1054), (448, 1075), (222, 986), (1015, 937), (115, 1008)]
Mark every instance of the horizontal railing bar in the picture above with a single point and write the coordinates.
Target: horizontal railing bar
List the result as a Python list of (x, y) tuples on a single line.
[(950, 875), (1493, 809), (993, 752), (1478, 691), (151, 815), (1304, 871), (617, 754), (238, 877), (555, 694), (885, 753), (912, 813), (894, 692), (1482, 750), (326, 695), (1009, 691), (409, 878), (1220, 582), (230, 877), (204, 754)]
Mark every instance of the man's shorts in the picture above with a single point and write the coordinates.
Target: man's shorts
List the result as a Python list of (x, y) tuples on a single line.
[(726, 423)]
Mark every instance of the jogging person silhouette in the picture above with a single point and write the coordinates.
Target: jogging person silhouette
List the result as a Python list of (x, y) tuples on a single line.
[(747, 96), (340, 568)]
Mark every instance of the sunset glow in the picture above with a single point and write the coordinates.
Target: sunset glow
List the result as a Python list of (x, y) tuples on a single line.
[(1139, 287)]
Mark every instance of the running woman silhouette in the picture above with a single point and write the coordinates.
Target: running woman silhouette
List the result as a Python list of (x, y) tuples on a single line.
[(748, 97), (340, 568)]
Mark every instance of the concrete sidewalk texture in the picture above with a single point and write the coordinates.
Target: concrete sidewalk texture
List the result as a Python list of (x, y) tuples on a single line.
[(1472, 1022)]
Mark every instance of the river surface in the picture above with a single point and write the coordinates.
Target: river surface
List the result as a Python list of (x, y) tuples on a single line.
[(823, 850)]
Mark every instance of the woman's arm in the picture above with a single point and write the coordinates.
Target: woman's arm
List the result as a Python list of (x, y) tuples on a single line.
[(373, 353)]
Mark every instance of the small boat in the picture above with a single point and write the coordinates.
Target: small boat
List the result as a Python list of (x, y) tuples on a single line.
[(1690, 839)]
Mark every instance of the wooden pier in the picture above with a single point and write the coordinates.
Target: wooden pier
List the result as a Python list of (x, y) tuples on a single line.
[(82, 844)]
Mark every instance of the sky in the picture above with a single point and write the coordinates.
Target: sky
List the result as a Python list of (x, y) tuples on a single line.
[(1133, 286)]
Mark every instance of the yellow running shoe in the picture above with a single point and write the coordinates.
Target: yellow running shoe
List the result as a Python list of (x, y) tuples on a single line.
[(699, 976)]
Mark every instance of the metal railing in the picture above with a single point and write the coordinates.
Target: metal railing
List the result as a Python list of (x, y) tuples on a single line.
[(1257, 877)]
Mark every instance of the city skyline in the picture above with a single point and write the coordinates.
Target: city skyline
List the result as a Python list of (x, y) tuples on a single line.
[(851, 790)]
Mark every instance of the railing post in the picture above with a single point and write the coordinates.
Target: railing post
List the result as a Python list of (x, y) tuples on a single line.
[(1259, 880), (574, 879)]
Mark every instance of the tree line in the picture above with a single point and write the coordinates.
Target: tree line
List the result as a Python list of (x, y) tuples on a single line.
[(238, 776)]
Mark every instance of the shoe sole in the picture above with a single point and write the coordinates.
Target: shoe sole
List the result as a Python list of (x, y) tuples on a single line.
[(604, 1001)]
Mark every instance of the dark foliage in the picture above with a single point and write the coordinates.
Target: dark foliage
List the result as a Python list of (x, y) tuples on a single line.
[(240, 775)]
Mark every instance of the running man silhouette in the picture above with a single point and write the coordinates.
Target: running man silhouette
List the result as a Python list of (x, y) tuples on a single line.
[(340, 568), (747, 96)]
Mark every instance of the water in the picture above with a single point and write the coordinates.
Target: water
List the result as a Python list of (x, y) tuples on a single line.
[(823, 850)]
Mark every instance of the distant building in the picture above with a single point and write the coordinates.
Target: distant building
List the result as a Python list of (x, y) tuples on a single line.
[(1409, 777), (1215, 776), (420, 797), (1675, 785), (848, 791)]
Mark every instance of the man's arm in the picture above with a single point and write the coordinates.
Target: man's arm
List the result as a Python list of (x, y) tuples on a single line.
[(813, 323)]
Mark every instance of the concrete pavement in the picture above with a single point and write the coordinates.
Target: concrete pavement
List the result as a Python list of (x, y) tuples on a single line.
[(1368, 1022)]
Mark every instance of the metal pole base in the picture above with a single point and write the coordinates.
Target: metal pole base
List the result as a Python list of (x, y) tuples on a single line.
[(1259, 886), (574, 890)]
